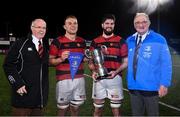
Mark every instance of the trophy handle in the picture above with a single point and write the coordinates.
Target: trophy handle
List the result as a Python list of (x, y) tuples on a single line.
[(103, 47), (88, 53)]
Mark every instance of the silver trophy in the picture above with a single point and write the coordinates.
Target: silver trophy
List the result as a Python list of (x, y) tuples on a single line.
[(98, 58)]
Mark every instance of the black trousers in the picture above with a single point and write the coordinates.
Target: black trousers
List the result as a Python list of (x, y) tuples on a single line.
[(144, 101)]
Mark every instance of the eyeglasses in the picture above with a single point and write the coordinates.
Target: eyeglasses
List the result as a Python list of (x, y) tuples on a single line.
[(143, 22), (39, 27)]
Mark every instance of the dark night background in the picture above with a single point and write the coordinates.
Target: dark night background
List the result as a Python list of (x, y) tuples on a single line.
[(16, 17)]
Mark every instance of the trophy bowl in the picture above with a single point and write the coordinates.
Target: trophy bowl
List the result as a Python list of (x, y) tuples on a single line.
[(98, 58)]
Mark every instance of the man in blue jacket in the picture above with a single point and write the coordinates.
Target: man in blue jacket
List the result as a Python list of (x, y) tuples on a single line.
[(149, 67)]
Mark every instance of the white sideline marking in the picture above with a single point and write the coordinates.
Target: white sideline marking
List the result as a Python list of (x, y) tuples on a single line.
[(167, 105), (162, 103)]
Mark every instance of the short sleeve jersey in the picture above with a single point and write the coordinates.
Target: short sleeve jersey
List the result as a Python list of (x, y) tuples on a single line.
[(62, 44), (116, 48)]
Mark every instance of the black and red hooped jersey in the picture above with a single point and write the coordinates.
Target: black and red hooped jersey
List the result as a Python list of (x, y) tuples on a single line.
[(116, 50), (61, 44)]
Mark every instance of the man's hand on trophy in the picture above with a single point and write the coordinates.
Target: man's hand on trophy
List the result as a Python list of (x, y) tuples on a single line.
[(95, 75), (65, 55), (112, 74)]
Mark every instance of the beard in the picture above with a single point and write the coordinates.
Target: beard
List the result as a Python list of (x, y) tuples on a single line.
[(108, 32)]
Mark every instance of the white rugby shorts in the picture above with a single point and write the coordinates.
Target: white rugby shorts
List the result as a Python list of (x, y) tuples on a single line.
[(68, 90), (108, 88)]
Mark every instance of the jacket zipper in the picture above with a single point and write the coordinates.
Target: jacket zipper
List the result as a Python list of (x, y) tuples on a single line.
[(41, 87)]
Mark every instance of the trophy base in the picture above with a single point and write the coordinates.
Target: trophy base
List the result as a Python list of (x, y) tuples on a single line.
[(102, 77)]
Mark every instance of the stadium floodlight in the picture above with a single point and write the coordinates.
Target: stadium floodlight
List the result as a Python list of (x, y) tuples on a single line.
[(150, 6)]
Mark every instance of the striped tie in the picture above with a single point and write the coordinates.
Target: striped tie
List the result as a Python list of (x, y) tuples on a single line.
[(135, 59), (40, 49)]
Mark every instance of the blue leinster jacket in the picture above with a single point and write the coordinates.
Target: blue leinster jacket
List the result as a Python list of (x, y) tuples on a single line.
[(154, 67)]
